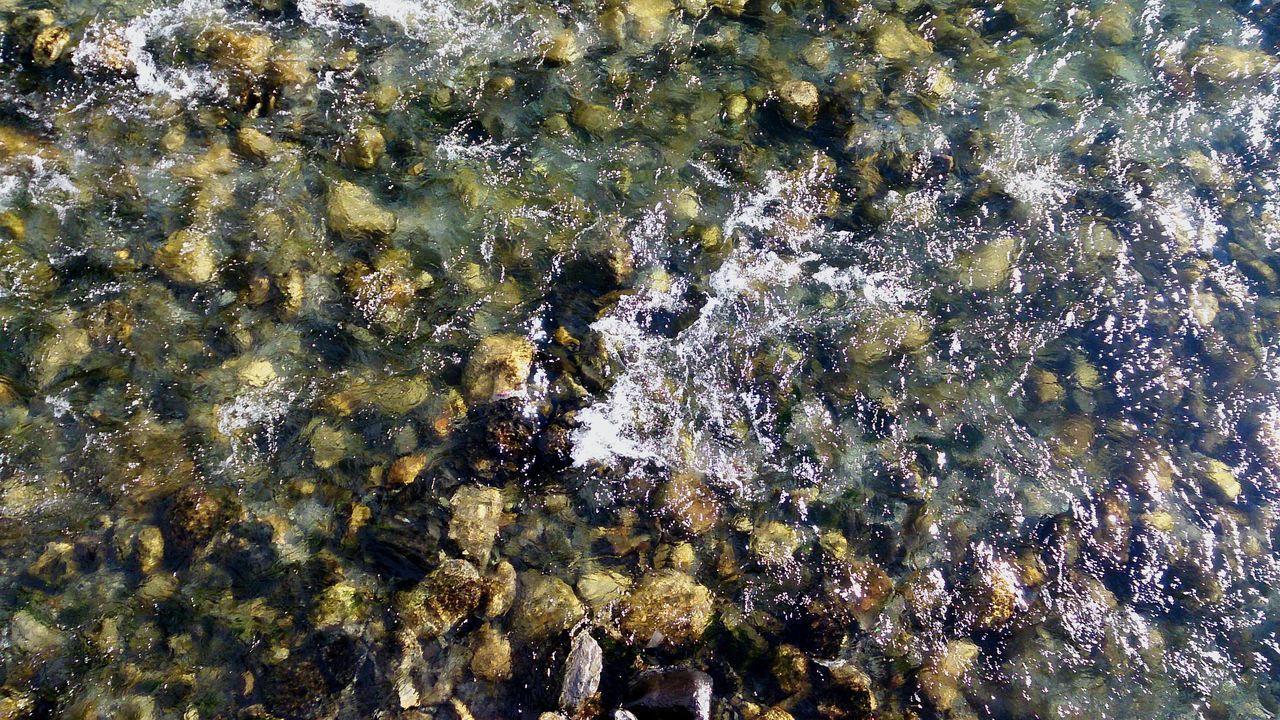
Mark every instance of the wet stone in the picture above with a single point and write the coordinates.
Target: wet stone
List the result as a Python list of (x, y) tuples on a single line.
[(353, 214), (773, 543), (581, 675), (499, 366), (544, 607), (896, 42), (668, 608), (476, 515), (670, 693), (687, 506), (295, 688), (49, 45), (405, 469), (500, 590), (465, 359), (491, 655), (446, 596), (800, 101), (149, 549), (1224, 64), (31, 636), (194, 517), (254, 143), (365, 148), (943, 676), (791, 669), (188, 256)]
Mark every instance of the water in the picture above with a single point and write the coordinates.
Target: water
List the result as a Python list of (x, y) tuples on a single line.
[(879, 359)]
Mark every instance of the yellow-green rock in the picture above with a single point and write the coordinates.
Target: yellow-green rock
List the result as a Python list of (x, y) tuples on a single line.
[(894, 41), (353, 213), (188, 256), (499, 366), (667, 608)]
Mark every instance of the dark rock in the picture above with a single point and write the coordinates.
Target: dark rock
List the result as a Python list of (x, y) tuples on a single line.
[(295, 689), (194, 518), (670, 694), (338, 655), (501, 442)]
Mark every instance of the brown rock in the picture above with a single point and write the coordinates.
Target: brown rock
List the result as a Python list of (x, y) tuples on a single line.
[(405, 469), (491, 655), (686, 505)]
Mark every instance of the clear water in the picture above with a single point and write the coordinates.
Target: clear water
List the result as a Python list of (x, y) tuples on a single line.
[(947, 379)]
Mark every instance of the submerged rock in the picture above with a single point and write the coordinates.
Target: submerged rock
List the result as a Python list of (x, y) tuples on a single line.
[(545, 606), (564, 48), (943, 676), (30, 636), (295, 688), (602, 589), (774, 544), (446, 596), (241, 54), (581, 676), (188, 256), (1114, 24), (989, 266), (194, 517), (500, 590), (499, 366), (1223, 64), (667, 608), (405, 469), (476, 515), (365, 148), (502, 440), (353, 213), (670, 693), (791, 669), (856, 588), (254, 143), (49, 44), (648, 17), (800, 101), (1219, 478), (149, 549), (878, 339), (686, 505), (597, 120), (896, 42), (491, 655), (993, 595)]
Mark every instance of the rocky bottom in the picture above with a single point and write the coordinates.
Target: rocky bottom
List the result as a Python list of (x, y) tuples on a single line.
[(639, 359)]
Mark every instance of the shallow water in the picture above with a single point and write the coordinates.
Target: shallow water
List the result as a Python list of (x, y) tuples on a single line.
[(879, 359)]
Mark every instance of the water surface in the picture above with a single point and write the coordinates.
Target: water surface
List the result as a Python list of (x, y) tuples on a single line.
[(880, 359)]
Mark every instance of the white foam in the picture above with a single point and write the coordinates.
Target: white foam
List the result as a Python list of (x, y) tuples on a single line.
[(681, 401), (472, 33), (175, 83)]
